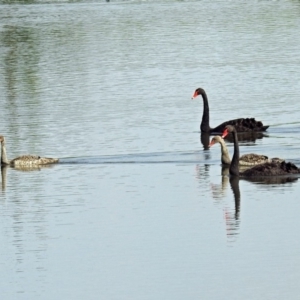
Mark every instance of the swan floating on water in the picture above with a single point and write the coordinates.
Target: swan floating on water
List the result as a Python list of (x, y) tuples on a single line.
[(250, 159), (241, 125), (24, 160), (274, 168)]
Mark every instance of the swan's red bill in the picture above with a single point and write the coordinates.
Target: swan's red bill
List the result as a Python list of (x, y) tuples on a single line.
[(225, 132), (195, 95), (212, 142)]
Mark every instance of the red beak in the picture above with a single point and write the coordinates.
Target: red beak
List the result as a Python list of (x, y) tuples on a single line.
[(195, 95), (212, 142), (225, 132)]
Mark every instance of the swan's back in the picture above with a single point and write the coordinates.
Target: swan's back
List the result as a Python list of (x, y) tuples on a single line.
[(246, 160), (273, 168), (242, 125), (253, 159), (32, 160)]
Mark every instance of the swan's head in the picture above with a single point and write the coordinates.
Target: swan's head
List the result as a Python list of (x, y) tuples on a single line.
[(2, 140), (228, 129), (215, 139), (198, 91)]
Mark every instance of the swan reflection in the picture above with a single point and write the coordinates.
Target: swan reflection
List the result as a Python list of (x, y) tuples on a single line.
[(247, 136), (244, 137), (232, 215), (271, 179), (3, 177), (22, 169)]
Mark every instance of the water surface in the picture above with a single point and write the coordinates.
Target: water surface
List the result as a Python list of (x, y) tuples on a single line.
[(137, 209)]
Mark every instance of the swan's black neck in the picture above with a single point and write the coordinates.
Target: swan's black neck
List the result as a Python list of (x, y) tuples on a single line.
[(234, 166), (205, 117)]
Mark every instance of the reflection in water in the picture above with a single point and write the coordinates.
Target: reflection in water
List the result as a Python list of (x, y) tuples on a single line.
[(272, 179), (25, 215), (22, 169), (204, 139), (234, 184), (21, 59), (19, 1), (3, 177), (232, 217), (33, 167), (220, 189), (202, 171), (243, 137), (247, 137)]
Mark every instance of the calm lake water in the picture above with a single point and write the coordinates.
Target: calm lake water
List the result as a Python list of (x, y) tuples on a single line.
[(137, 209)]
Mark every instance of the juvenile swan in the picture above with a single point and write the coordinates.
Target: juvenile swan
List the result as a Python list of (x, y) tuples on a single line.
[(24, 160), (250, 159), (275, 168)]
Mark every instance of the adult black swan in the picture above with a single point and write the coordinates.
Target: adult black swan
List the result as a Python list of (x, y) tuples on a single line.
[(241, 125), (274, 168)]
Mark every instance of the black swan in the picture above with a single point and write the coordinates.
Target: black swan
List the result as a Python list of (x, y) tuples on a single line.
[(250, 159), (24, 160), (241, 125), (274, 168)]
